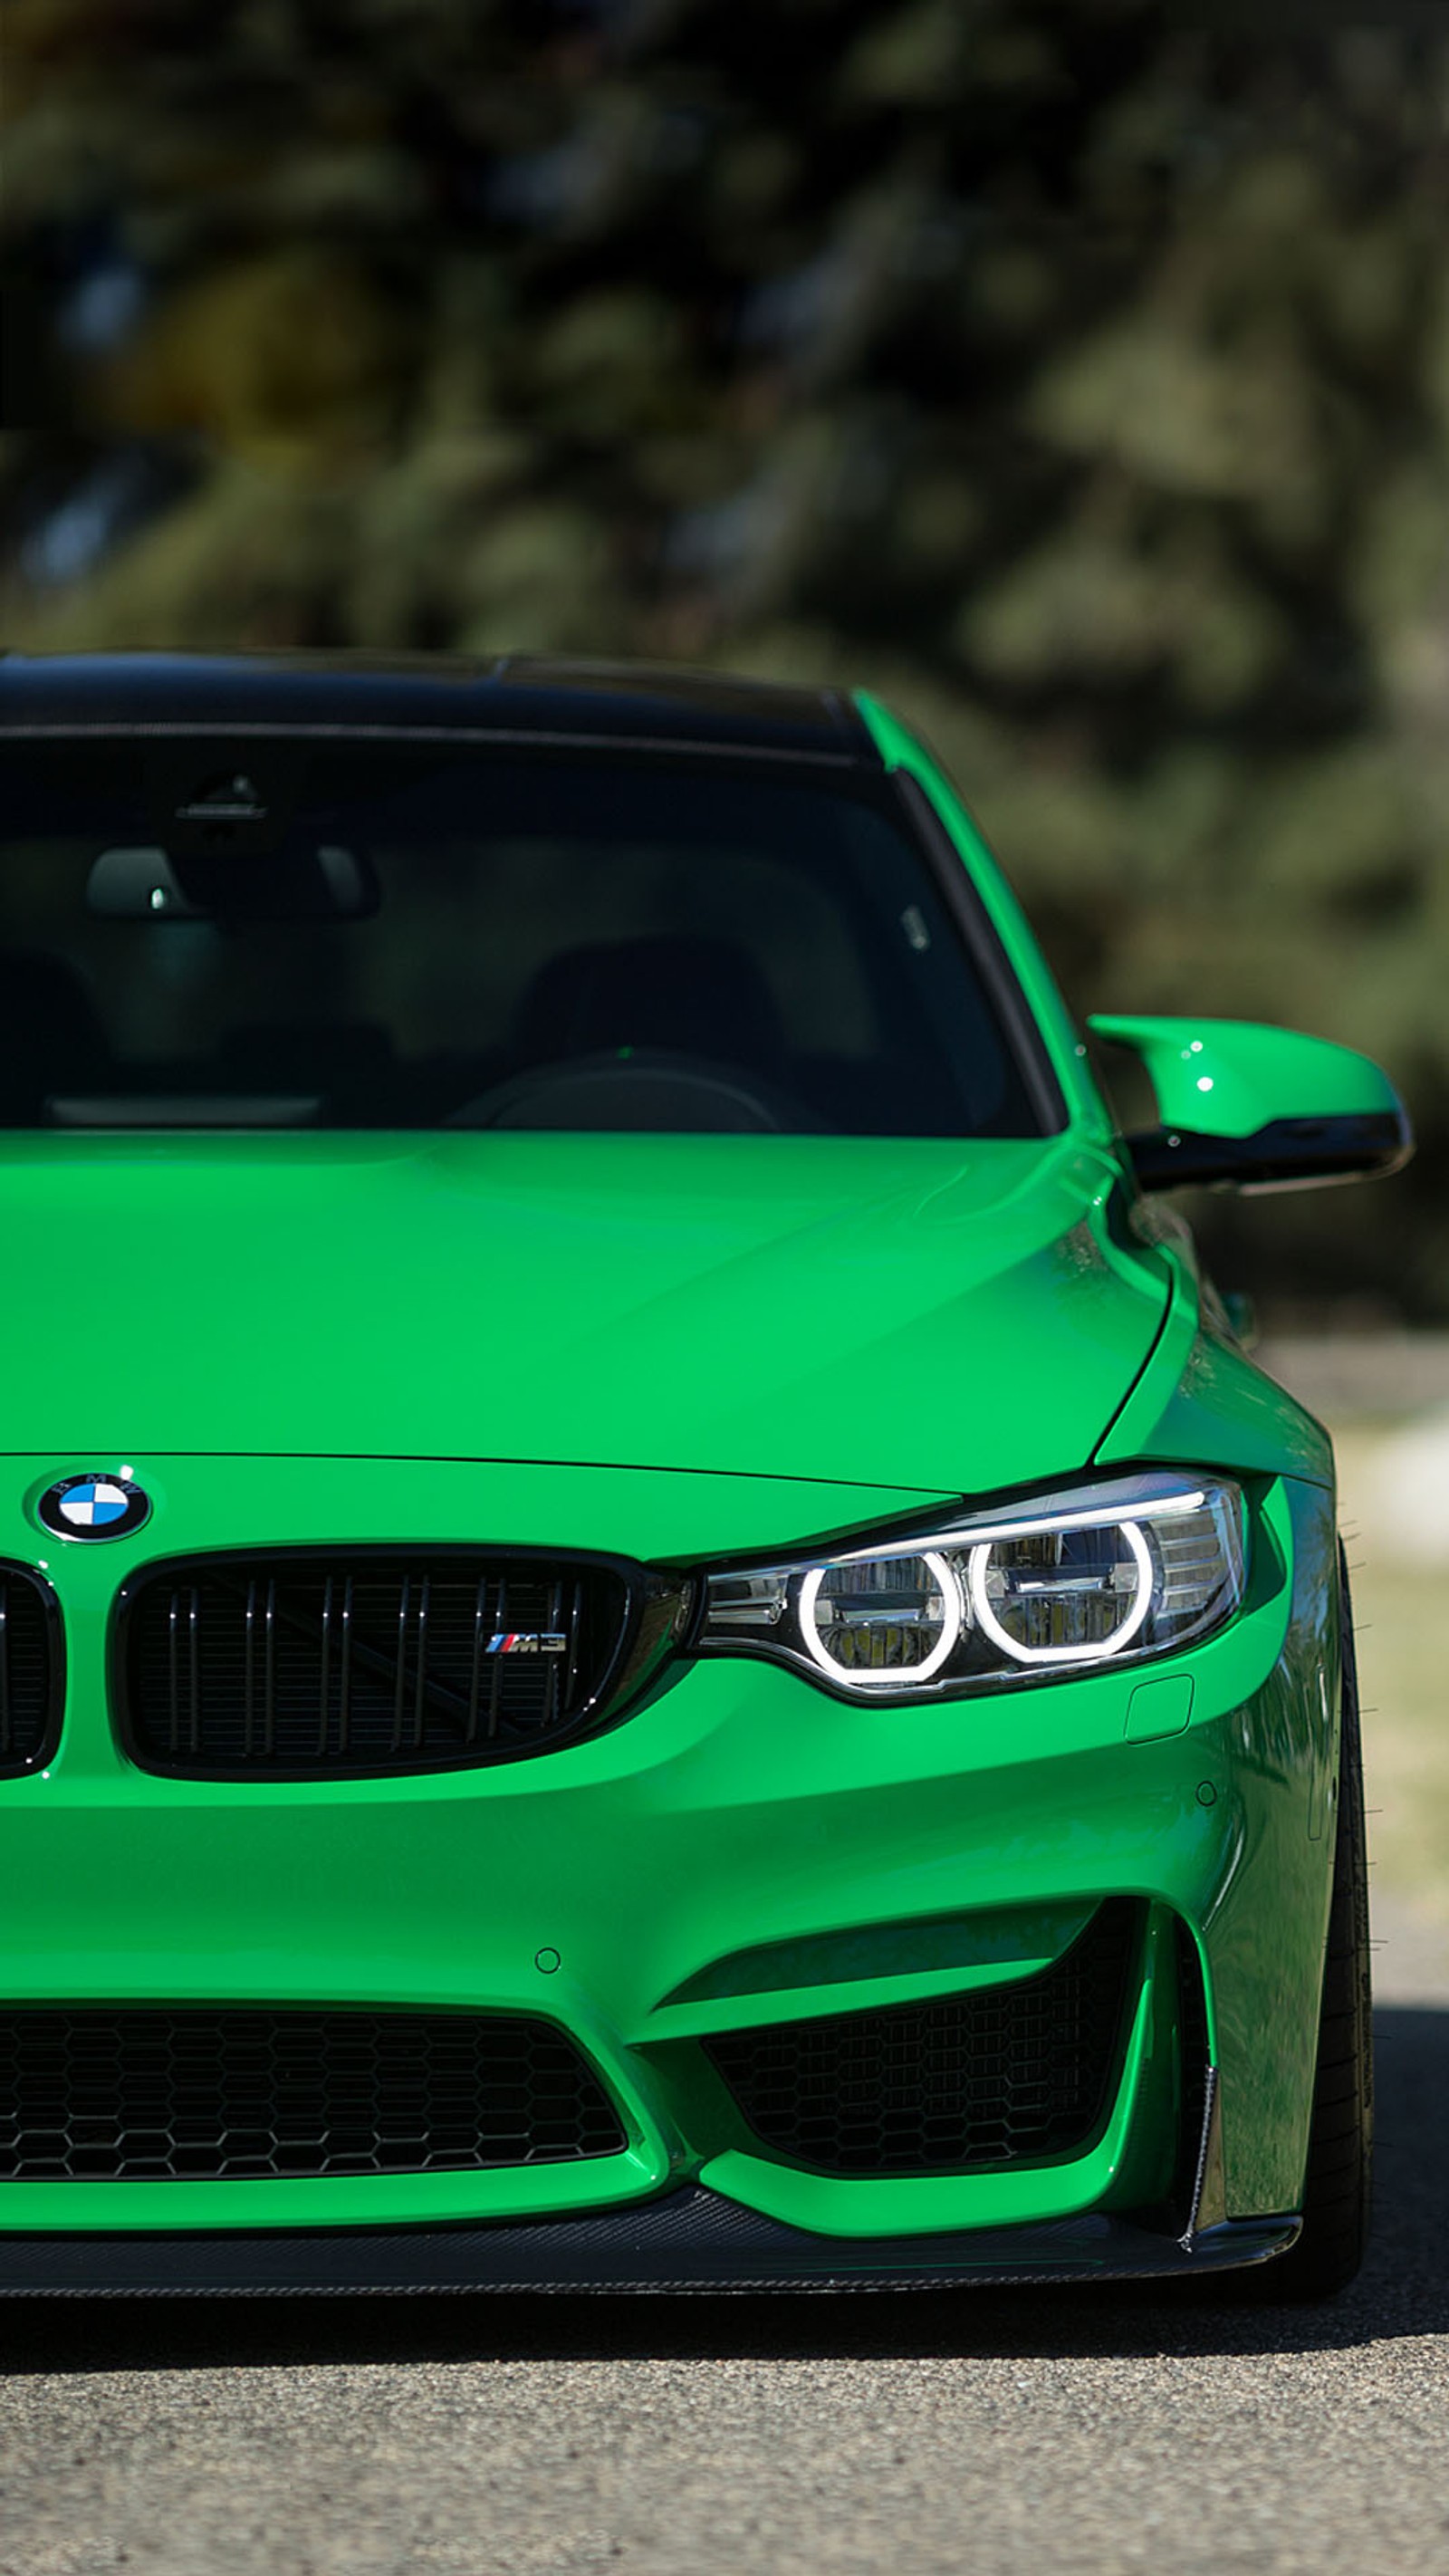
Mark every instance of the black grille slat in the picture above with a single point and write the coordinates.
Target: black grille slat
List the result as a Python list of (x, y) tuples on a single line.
[(325, 1676), (249, 1660), (480, 1635), (193, 1674), (344, 1688), (173, 1677), (182, 1674), (6, 1719), (399, 1688), (495, 1677), (420, 1683), (573, 1636), (1021, 2073), (154, 2095), (30, 1670), (269, 1673), (369, 1661)]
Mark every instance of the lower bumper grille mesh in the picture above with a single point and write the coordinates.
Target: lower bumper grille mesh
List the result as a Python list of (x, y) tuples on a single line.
[(147, 2095), (1017, 2074)]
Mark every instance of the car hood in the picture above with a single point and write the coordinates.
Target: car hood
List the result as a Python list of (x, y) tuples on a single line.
[(926, 1317)]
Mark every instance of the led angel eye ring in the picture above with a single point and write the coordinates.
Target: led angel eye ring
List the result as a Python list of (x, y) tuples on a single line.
[(1106, 1646), (899, 1677)]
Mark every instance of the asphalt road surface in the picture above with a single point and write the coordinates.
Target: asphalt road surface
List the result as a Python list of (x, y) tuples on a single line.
[(910, 2433)]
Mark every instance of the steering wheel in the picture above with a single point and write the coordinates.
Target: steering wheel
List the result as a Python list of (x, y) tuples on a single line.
[(650, 1088)]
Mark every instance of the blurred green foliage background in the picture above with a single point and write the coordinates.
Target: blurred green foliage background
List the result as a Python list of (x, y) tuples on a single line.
[(1076, 372)]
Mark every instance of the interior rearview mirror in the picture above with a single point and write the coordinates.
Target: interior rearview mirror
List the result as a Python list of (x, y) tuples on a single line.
[(298, 884)]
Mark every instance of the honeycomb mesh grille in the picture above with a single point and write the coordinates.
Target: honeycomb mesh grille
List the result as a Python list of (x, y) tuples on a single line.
[(29, 1675), (1018, 2074), (239, 1667), (149, 2095)]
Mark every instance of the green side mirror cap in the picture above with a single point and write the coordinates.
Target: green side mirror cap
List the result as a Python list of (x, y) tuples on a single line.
[(1246, 1104)]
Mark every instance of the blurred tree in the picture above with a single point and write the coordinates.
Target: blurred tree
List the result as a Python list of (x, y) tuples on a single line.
[(1076, 375)]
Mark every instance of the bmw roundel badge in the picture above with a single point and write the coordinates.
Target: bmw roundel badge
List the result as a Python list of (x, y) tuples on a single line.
[(94, 1506)]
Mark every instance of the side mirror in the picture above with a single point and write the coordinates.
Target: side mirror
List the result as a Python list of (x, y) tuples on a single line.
[(1258, 1107)]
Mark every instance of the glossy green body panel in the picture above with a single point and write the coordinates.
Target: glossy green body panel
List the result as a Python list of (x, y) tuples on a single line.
[(1268, 1925), (1201, 1399), (1231, 1077), (668, 1348), (662, 1302)]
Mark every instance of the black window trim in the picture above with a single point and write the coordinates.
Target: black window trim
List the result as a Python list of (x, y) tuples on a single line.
[(963, 899), (505, 737)]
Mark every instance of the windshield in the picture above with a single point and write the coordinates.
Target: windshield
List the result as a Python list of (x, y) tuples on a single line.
[(383, 934)]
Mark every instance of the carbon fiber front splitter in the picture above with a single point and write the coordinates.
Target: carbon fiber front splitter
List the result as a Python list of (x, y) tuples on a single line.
[(692, 2240)]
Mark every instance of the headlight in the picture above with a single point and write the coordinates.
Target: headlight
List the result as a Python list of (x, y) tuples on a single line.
[(1073, 1581)]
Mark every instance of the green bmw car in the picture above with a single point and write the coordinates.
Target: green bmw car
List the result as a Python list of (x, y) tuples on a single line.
[(652, 1631)]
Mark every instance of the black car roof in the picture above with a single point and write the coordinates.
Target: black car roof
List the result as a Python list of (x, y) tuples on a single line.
[(514, 696)]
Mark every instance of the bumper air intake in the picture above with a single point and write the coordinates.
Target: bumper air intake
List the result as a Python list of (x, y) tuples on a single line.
[(153, 2096), (1023, 2073)]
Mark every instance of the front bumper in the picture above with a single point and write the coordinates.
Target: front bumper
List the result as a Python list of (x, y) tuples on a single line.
[(743, 1851), (692, 2240)]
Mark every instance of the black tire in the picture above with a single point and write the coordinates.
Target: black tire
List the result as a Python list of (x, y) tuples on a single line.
[(1336, 2191)]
